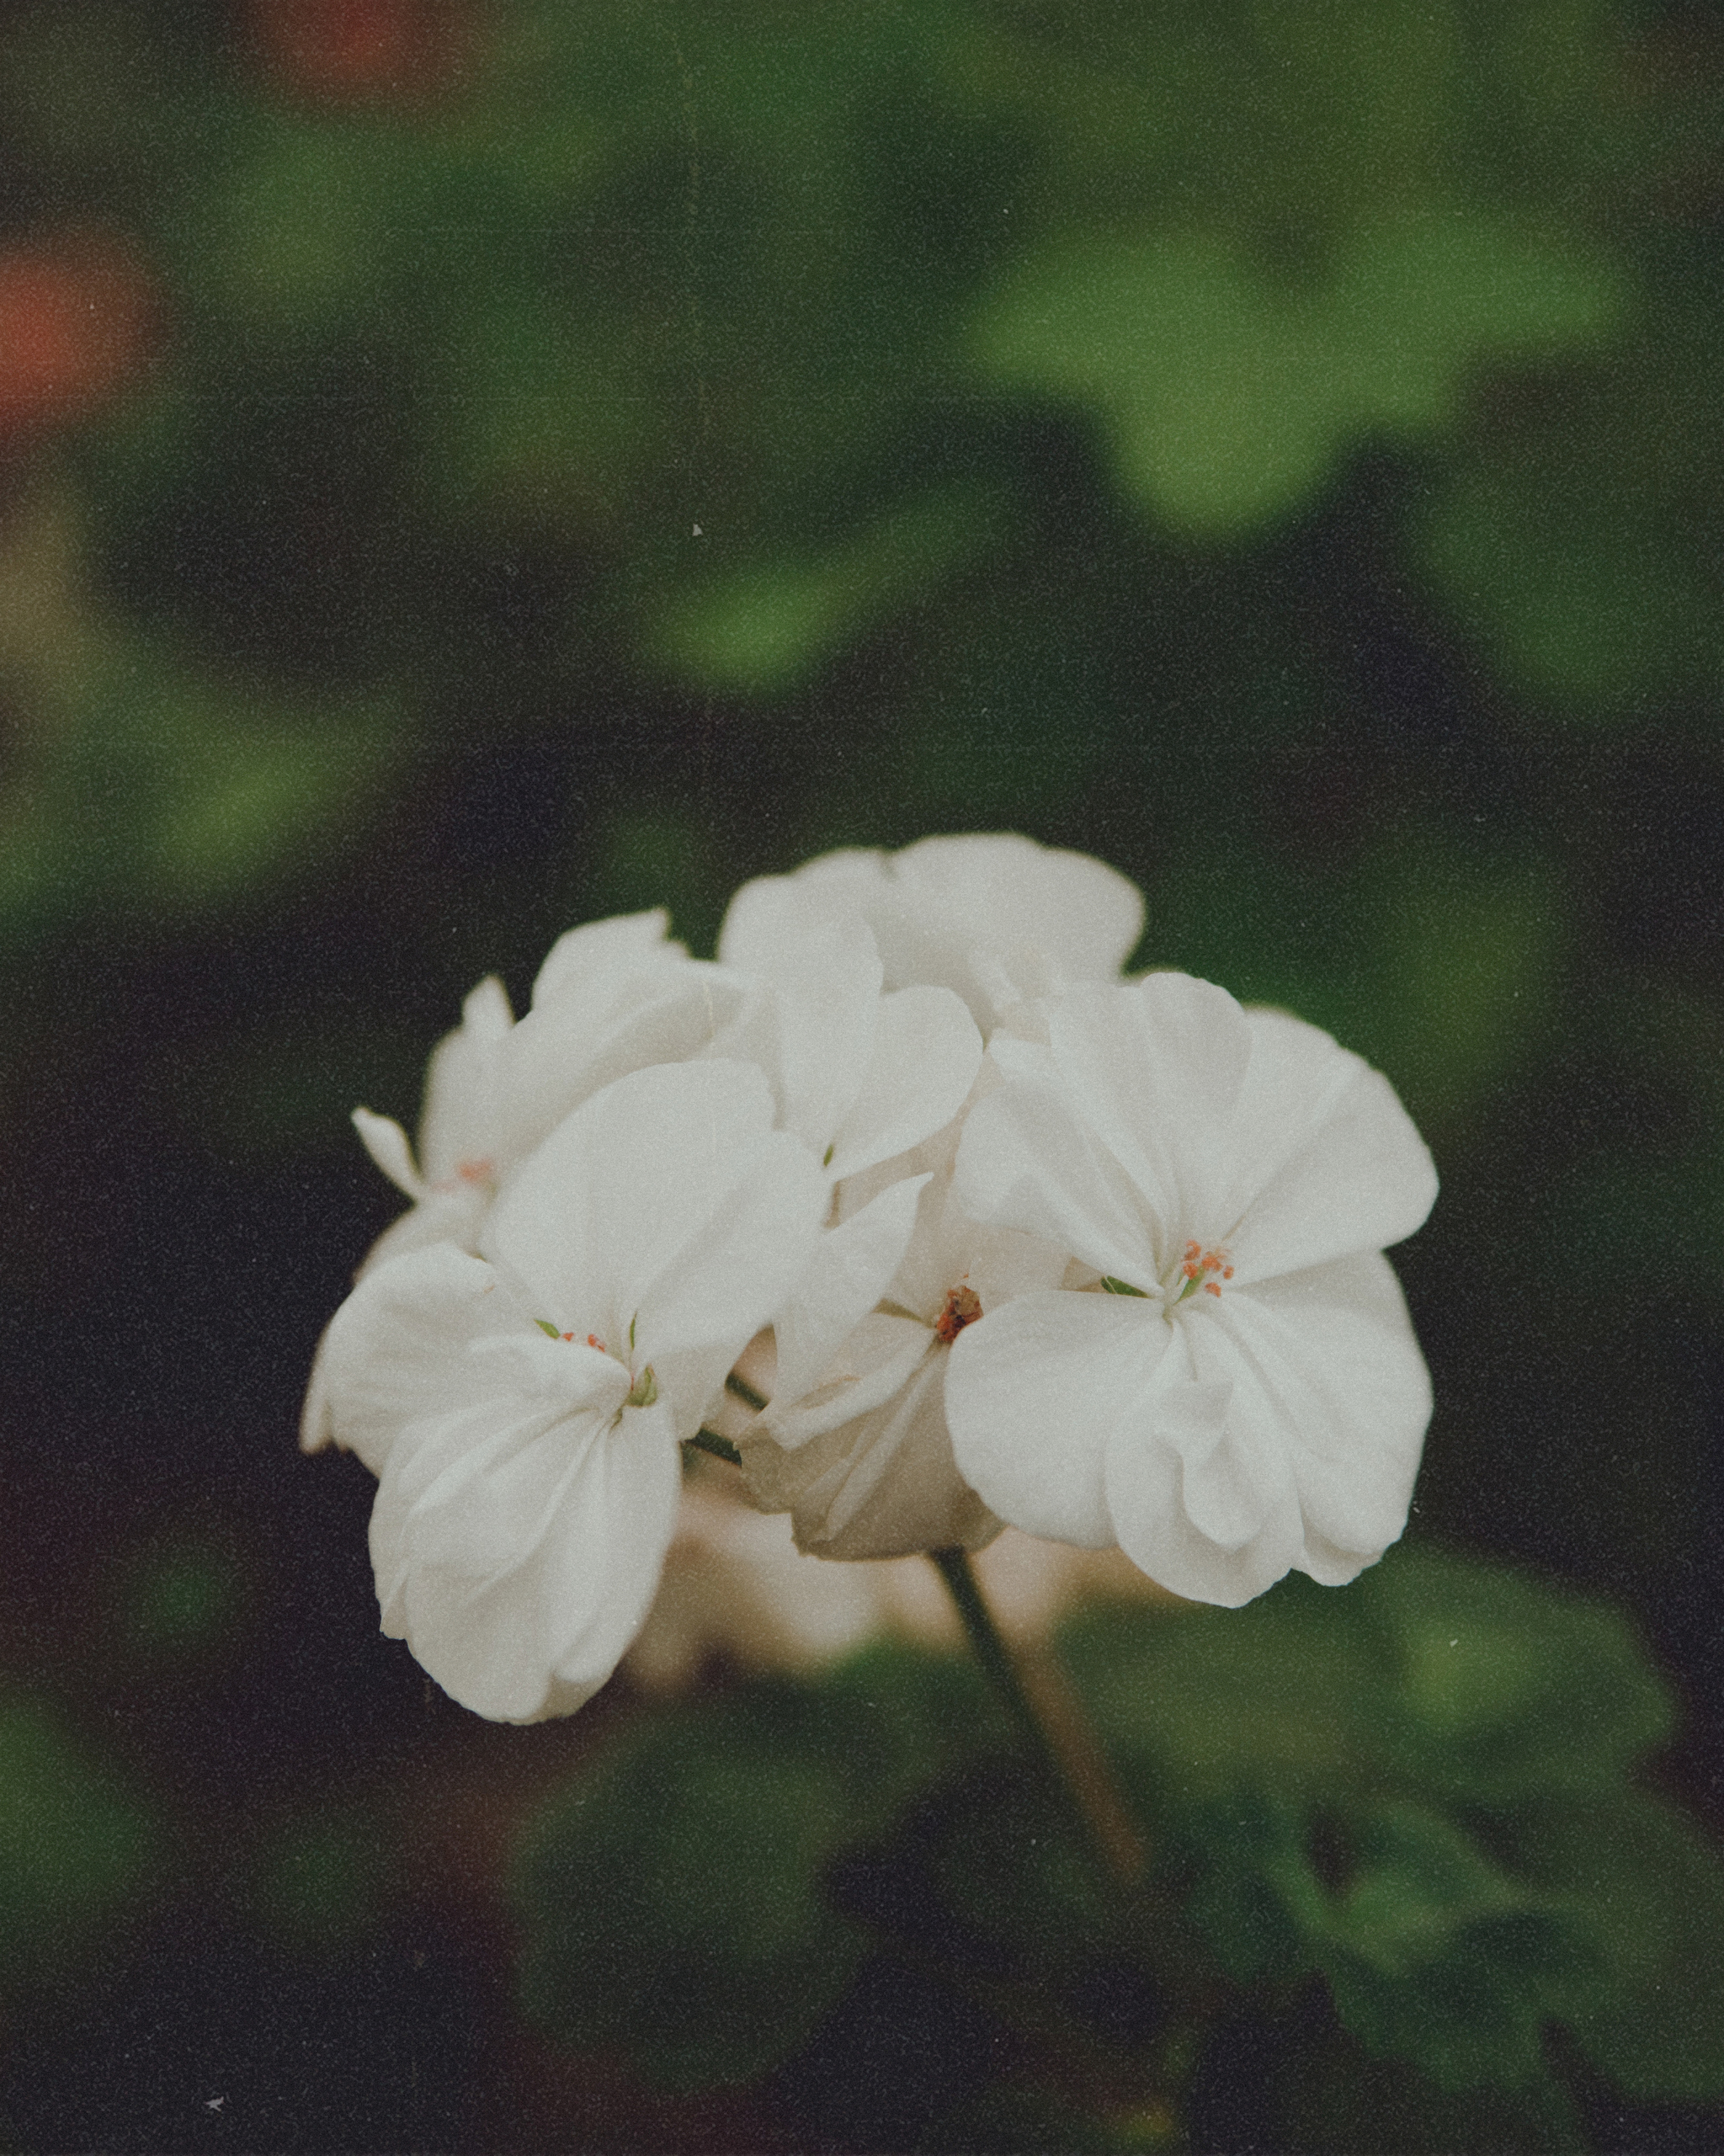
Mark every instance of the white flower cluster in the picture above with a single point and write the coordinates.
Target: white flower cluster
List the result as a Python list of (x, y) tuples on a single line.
[(993, 1233)]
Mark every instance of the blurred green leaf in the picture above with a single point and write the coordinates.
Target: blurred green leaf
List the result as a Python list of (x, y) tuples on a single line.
[(547, 411), (146, 776), (1347, 1779), (649, 856), (159, 785), (322, 1880), (1229, 395), (1009, 1864), (1430, 1675), (671, 1899), (1437, 960), (759, 630), (1576, 540), (1336, 2099), (1433, 1952), (75, 1846), (1647, 1890), (1006, 2121), (178, 1600), (304, 222)]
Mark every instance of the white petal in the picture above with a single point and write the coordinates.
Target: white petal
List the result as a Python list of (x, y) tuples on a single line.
[(1294, 1440), (826, 975), (879, 1358), (590, 962), (668, 1208), (949, 1250), (1027, 1161), (455, 1217), (993, 917), (387, 1143), (1352, 1394), (1155, 1070), (486, 1012), (1032, 1392), (1328, 1564), (850, 1271), (397, 1351), (883, 1484), (1328, 1161), (519, 1567), (1080, 918), (459, 1132), (767, 915), (926, 1052), (1180, 1450), (316, 1429), (600, 1024)]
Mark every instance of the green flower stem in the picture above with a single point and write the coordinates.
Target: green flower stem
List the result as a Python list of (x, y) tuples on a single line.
[(1049, 1719), (721, 1448)]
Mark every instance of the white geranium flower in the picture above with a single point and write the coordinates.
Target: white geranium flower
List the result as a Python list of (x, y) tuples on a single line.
[(1249, 1397), (863, 1078), (460, 1130), (993, 916), (853, 1444), (523, 1408), (613, 997)]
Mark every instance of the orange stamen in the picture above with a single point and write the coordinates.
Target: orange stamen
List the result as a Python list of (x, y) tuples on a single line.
[(963, 1307)]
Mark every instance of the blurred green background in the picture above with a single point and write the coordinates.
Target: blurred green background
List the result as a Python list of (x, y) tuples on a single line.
[(469, 466)]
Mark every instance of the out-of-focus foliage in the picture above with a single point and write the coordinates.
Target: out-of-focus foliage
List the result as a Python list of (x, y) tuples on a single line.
[(141, 777), (176, 1603), (755, 312), (1420, 1791), (321, 1880), (1423, 1794), (77, 1846), (671, 1902)]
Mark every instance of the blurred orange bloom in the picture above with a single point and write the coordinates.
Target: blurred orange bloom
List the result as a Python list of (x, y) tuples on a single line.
[(72, 322), (352, 49)]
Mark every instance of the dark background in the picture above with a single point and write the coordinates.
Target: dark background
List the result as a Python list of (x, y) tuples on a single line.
[(1275, 449)]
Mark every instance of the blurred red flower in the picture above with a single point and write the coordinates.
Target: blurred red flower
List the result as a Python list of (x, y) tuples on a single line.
[(72, 320), (352, 49)]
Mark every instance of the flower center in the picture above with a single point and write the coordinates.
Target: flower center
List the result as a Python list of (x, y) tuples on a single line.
[(643, 1393), (962, 1306), (1199, 1269)]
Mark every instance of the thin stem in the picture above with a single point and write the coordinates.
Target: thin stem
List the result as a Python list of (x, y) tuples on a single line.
[(1050, 1722), (721, 1448), (742, 1390)]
